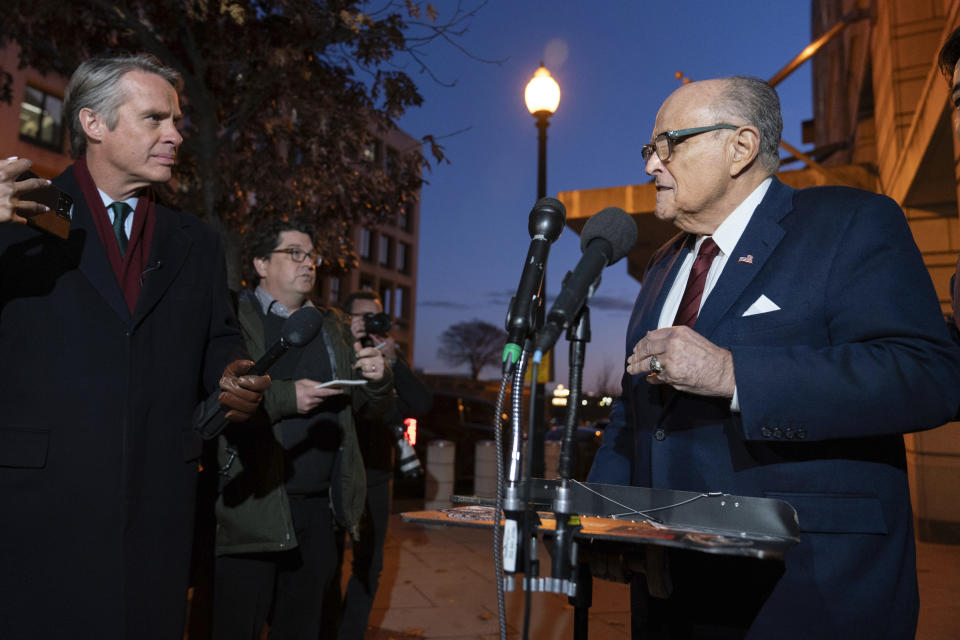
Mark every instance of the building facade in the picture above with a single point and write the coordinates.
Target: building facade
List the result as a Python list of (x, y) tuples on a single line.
[(387, 254), (32, 124)]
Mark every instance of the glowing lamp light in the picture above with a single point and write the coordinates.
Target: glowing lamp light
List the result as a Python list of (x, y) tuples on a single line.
[(542, 93), (410, 431)]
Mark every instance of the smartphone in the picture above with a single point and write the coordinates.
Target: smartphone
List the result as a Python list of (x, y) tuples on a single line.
[(57, 219), (340, 384)]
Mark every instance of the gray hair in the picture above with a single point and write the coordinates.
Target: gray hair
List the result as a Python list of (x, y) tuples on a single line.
[(755, 102), (95, 85)]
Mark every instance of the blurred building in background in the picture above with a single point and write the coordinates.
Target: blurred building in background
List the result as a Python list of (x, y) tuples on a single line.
[(387, 253)]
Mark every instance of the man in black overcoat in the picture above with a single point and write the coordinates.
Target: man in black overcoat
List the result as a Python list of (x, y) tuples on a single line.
[(109, 339)]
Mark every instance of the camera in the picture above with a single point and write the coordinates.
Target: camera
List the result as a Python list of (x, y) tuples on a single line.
[(376, 323)]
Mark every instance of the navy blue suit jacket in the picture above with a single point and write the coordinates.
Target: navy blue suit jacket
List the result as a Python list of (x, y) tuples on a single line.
[(856, 355)]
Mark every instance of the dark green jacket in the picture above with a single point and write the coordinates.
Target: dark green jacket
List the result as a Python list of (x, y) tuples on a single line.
[(253, 513)]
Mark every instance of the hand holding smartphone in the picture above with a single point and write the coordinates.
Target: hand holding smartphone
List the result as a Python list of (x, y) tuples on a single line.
[(56, 219)]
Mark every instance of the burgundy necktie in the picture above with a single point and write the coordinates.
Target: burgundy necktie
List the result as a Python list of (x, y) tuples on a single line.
[(690, 304)]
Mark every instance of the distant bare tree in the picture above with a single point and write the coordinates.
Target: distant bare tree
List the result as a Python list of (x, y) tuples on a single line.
[(476, 343)]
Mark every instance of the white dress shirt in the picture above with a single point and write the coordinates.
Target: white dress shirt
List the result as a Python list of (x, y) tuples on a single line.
[(727, 235)]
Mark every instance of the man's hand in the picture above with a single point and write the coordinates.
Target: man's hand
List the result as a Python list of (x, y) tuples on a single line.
[(241, 395), (370, 362), (389, 348), (689, 362), (309, 397), (11, 191)]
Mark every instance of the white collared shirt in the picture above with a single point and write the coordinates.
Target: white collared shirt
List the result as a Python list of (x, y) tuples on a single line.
[(727, 235)]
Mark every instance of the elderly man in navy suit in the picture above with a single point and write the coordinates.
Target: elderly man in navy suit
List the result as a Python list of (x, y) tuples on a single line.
[(110, 338), (781, 344)]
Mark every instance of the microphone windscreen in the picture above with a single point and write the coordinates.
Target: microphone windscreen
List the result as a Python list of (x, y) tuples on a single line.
[(547, 218), (302, 326), (614, 225)]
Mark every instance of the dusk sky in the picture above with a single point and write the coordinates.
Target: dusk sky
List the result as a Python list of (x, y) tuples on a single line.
[(615, 62)]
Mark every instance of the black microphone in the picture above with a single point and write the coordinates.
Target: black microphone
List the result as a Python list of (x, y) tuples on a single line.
[(607, 236), (300, 328), (546, 223)]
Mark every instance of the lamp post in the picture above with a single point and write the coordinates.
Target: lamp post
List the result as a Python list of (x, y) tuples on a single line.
[(542, 96)]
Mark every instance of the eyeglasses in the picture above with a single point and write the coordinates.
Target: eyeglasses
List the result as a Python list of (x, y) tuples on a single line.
[(663, 144), (299, 255)]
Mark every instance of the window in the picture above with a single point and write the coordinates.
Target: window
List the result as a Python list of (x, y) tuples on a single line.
[(41, 119), (366, 245), (366, 283), (403, 260), (393, 163), (386, 289), (406, 215), (403, 302), (371, 152), (334, 295), (386, 250)]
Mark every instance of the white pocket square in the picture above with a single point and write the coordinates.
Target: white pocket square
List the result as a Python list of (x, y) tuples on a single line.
[(763, 304)]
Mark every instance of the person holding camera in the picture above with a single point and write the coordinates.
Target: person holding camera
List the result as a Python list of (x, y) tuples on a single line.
[(286, 492), (379, 437)]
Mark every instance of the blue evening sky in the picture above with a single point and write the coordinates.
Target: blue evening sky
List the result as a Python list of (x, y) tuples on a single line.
[(615, 62)]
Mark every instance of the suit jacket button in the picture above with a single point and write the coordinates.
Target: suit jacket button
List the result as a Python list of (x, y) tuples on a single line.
[(765, 432), (777, 433), (660, 433), (789, 433), (801, 433)]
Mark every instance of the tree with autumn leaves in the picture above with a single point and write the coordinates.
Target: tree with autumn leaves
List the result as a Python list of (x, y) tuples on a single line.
[(281, 100)]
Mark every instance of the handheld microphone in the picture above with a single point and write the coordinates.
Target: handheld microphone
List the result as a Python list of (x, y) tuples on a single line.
[(299, 329), (545, 225), (607, 236)]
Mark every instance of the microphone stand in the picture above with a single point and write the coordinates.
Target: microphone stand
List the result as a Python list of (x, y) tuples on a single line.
[(513, 504), (564, 563), (515, 548)]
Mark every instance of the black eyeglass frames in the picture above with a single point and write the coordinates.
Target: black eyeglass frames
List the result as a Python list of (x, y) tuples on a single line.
[(663, 144)]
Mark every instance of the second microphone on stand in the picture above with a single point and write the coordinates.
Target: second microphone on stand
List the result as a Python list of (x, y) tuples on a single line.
[(606, 238)]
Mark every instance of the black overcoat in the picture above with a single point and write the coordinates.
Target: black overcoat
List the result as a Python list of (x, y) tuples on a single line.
[(98, 459)]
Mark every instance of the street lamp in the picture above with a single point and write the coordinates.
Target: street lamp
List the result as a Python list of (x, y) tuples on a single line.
[(542, 96)]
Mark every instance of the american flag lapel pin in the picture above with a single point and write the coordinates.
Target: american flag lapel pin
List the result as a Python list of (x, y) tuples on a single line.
[(747, 258)]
